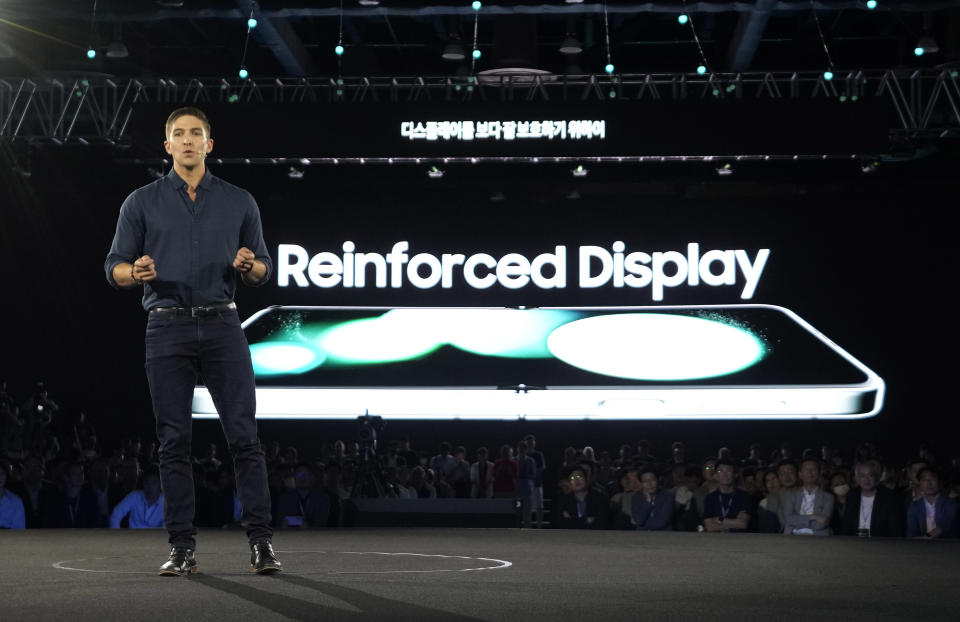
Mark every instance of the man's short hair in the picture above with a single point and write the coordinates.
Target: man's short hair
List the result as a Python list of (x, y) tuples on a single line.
[(648, 469), (929, 470), (871, 464), (183, 112), (783, 463), (726, 461), (816, 461)]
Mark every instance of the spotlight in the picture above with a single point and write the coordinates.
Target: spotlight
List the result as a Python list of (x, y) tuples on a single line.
[(453, 50), (243, 73), (869, 166), (295, 172), (434, 173), (117, 49), (682, 18), (871, 4), (926, 45), (91, 53), (476, 5), (828, 75), (338, 50), (725, 170), (252, 23), (701, 69), (571, 45), (476, 53), (580, 171), (608, 68)]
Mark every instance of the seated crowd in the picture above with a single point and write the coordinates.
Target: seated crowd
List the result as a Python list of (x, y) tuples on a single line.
[(54, 475)]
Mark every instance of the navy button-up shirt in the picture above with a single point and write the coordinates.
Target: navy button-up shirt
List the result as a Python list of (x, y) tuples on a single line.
[(192, 243)]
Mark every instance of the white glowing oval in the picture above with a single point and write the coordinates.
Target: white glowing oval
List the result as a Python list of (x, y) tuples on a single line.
[(278, 357), (655, 346), (506, 332), (376, 340)]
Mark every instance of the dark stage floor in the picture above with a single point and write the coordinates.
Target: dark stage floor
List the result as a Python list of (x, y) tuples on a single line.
[(481, 574)]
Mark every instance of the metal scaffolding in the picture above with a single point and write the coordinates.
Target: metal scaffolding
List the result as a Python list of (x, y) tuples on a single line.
[(97, 110)]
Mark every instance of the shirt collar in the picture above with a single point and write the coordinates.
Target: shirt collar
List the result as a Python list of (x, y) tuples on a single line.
[(178, 183)]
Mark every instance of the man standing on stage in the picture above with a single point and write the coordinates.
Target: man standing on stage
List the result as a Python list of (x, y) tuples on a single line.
[(184, 238)]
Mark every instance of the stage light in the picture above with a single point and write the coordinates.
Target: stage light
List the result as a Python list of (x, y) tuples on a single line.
[(682, 18), (434, 173), (295, 172), (476, 5), (871, 4), (828, 75), (926, 45), (701, 69), (725, 170), (117, 49), (580, 171), (243, 73), (571, 45), (252, 22), (369, 2), (91, 53), (869, 166), (476, 53), (608, 68), (453, 50), (338, 50)]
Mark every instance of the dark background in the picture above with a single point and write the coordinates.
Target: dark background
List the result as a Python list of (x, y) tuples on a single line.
[(865, 258)]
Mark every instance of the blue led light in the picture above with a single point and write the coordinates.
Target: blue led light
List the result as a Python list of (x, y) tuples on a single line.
[(252, 23), (871, 4), (828, 75), (476, 5), (682, 18), (91, 53), (476, 53), (608, 68), (338, 50), (701, 69), (918, 51), (243, 73)]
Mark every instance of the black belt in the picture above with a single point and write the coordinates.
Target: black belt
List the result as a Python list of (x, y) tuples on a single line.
[(196, 311)]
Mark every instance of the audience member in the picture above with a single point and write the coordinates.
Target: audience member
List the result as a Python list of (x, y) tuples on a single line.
[(306, 505), (933, 515), (871, 509), (840, 487), (11, 506), (621, 503), (536, 499), (34, 490), (581, 507), (481, 476), (652, 509), (810, 509), (505, 474), (143, 507), (526, 476), (726, 508), (708, 485)]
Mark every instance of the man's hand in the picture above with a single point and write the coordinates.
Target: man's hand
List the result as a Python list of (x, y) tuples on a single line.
[(144, 269), (243, 262)]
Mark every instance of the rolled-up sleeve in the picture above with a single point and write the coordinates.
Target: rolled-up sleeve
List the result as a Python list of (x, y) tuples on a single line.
[(128, 239), (251, 236)]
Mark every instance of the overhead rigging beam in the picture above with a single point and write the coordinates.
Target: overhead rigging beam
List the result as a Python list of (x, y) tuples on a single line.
[(747, 36), (278, 36)]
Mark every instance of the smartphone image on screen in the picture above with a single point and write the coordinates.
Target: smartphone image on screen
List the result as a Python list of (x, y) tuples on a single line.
[(663, 362)]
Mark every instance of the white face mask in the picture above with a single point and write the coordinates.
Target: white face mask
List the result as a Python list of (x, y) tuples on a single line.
[(841, 491)]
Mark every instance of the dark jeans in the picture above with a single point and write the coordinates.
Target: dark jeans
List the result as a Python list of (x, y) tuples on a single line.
[(180, 349)]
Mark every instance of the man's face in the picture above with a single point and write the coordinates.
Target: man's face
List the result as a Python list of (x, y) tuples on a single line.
[(724, 475), (578, 481), (632, 483), (787, 474), (912, 471), (188, 142), (929, 485), (649, 482), (866, 479), (151, 485), (708, 471), (771, 482), (809, 473)]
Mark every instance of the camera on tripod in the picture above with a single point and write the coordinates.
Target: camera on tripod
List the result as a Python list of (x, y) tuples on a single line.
[(368, 427)]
